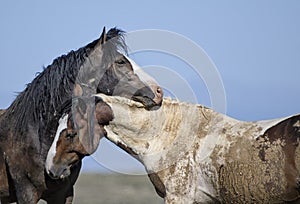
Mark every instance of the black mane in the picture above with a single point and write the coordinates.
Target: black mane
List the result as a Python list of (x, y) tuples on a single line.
[(114, 42), (41, 100)]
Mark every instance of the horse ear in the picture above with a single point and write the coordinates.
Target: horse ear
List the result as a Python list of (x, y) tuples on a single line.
[(97, 119), (102, 39), (103, 111)]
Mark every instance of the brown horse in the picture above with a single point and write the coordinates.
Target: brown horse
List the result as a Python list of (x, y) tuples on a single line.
[(87, 119), (70, 144), (27, 128), (74, 134)]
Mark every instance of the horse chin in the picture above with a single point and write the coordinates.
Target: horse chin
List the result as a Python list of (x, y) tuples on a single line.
[(147, 102)]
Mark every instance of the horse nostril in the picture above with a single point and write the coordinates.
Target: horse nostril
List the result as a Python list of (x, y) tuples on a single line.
[(158, 94), (158, 91)]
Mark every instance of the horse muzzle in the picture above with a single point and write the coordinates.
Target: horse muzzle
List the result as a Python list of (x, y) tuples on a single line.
[(150, 97), (59, 172)]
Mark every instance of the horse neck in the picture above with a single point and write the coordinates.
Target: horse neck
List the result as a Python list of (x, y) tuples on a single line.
[(165, 134), (40, 102)]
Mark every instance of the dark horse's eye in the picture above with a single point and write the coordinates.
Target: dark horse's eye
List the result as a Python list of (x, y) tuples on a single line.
[(121, 62), (71, 135)]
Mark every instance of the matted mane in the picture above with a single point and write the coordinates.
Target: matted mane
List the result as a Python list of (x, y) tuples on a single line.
[(41, 99)]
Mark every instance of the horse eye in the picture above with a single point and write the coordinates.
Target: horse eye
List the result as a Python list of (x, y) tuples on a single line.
[(71, 135), (121, 62)]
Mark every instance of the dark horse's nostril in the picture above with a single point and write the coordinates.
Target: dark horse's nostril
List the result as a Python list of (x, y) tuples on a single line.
[(158, 94), (158, 90)]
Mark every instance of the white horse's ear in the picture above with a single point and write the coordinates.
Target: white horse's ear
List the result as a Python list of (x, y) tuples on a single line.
[(103, 112), (81, 106), (96, 120)]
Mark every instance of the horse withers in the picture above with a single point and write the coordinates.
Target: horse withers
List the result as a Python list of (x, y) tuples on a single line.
[(28, 127)]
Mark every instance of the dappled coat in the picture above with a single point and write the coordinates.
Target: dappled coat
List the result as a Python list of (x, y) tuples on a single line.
[(195, 155)]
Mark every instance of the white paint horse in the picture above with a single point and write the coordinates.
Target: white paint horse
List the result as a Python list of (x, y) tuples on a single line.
[(195, 155)]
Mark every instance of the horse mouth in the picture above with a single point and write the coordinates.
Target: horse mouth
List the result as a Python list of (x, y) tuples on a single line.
[(147, 102)]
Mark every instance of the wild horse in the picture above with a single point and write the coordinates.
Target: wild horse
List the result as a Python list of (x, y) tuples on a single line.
[(83, 118), (195, 155), (28, 127), (69, 145), (80, 128)]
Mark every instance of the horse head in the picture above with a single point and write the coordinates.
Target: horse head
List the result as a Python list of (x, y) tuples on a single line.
[(110, 72), (77, 135), (105, 70)]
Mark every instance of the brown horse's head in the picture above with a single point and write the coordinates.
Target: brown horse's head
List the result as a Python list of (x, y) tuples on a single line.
[(78, 135)]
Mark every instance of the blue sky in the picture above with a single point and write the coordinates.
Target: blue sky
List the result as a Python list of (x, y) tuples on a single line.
[(255, 46)]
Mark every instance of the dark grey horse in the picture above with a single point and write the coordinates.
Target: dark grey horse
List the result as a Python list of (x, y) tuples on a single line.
[(28, 127)]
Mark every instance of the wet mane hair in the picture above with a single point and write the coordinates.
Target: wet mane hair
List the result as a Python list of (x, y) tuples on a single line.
[(39, 103)]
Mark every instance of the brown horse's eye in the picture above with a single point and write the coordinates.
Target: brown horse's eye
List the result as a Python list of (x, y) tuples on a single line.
[(71, 135)]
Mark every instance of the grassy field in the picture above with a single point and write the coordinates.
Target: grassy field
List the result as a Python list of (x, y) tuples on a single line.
[(115, 189)]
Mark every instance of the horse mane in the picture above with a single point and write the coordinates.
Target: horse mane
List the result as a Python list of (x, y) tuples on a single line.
[(115, 41), (41, 100), (2, 111)]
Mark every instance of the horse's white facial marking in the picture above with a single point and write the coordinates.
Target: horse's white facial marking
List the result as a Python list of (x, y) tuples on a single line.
[(144, 77), (63, 121)]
